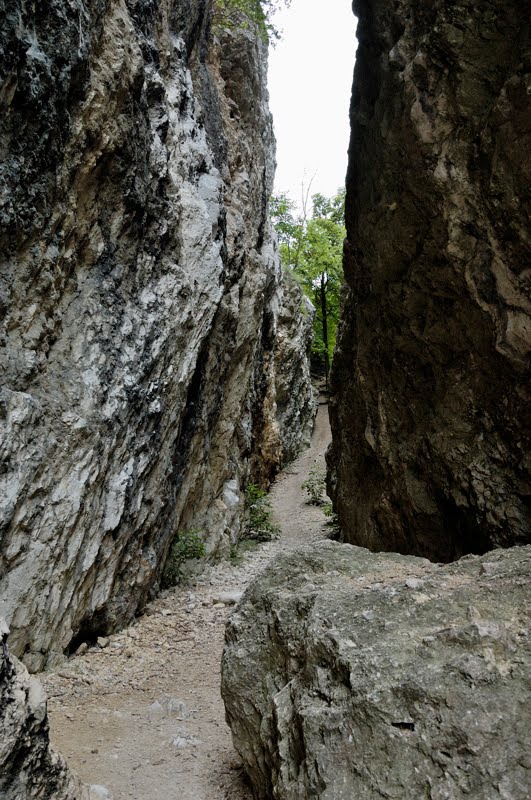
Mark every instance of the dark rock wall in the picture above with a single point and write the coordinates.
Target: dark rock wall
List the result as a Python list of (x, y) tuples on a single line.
[(431, 392)]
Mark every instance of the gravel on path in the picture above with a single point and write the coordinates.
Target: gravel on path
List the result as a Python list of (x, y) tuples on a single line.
[(141, 713)]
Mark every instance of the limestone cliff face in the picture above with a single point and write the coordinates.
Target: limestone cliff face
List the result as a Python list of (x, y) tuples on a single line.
[(430, 414), (143, 310)]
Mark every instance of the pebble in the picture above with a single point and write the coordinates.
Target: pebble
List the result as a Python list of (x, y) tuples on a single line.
[(97, 792), (414, 583), (102, 642), (227, 598), (82, 649), (170, 706), (178, 708), (181, 742)]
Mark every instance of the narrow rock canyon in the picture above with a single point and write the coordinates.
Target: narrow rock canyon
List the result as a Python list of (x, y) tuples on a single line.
[(154, 362)]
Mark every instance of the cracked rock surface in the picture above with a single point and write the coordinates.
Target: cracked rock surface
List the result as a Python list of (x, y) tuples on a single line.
[(352, 674), (430, 413)]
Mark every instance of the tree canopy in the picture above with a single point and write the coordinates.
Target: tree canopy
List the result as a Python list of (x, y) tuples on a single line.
[(312, 250)]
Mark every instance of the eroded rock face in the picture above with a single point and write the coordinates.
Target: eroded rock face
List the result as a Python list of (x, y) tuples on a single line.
[(28, 766), (430, 414), (348, 674), (141, 301)]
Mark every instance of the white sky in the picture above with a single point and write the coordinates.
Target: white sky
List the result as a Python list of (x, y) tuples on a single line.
[(310, 80)]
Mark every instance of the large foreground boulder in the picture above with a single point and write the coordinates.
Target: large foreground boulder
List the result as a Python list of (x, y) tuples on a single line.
[(29, 769), (349, 675)]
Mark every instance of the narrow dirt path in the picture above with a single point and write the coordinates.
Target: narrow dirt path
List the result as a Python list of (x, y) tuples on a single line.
[(142, 715)]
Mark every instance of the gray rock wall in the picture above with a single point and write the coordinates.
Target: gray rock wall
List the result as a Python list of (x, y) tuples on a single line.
[(142, 305), (430, 407), (348, 674)]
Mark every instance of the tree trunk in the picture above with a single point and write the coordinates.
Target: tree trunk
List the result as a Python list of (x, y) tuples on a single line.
[(324, 314)]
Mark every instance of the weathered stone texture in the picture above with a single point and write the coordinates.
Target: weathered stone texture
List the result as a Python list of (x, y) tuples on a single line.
[(141, 299), (28, 767), (430, 413), (348, 674)]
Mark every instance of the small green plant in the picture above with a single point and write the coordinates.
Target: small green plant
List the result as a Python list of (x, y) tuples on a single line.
[(235, 557), (332, 522), (186, 546), (253, 494), (259, 525), (240, 550), (315, 487)]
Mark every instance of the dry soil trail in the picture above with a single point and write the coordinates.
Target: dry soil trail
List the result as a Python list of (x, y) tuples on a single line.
[(142, 715)]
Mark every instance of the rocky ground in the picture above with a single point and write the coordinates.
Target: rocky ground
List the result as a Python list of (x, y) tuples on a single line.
[(141, 713)]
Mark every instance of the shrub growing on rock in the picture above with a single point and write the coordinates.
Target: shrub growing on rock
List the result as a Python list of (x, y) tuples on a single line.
[(259, 525)]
